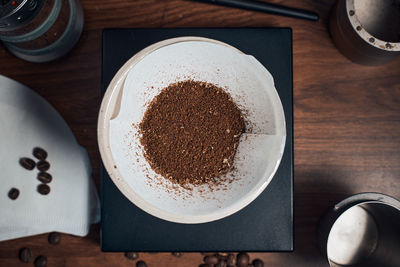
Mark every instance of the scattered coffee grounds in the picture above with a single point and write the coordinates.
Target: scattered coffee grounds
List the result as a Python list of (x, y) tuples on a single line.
[(177, 254), (40, 261), (54, 238), (132, 255), (25, 255), (13, 193), (39, 153), (190, 132), (43, 189), (242, 259), (141, 264), (44, 177), (43, 166), (27, 163)]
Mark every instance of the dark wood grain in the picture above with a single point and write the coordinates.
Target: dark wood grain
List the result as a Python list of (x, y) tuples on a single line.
[(346, 119)]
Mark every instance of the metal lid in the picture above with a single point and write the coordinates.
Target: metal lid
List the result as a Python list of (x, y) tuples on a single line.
[(16, 13)]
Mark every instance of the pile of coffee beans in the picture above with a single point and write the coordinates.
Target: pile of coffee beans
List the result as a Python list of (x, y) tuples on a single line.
[(43, 175), (229, 260), (25, 254), (211, 259)]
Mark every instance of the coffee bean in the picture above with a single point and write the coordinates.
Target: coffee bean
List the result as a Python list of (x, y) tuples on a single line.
[(43, 189), (54, 238), (40, 261), (250, 265), (43, 166), (211, 260), (132, 255), (27, 163), (39, 153), (25, 255), (231, 260), (13, 193), (141, 264), (242, 259), (177, 254), (44, 177), (223, 254), (258, 263)]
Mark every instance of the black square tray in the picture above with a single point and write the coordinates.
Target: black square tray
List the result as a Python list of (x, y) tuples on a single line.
[(266, 224)]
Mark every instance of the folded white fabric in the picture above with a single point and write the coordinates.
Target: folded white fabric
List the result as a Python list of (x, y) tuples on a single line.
[(28, 121)]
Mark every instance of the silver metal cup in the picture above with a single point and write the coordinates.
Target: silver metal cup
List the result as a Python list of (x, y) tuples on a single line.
[(362, 230)]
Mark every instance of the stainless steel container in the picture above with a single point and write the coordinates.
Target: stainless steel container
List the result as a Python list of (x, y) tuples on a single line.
[(366, 31), (40, 30), (362, 230)]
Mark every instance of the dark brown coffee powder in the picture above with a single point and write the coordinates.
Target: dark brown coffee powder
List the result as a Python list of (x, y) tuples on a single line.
[(190, 132)]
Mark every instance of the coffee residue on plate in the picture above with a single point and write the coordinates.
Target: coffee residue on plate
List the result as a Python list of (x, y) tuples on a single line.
[(190, 132)]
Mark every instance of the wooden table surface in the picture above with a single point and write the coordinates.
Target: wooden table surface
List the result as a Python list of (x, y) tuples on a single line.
[(346, 120)]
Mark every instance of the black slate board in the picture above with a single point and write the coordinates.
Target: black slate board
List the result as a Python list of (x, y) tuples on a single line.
[(266, 224)]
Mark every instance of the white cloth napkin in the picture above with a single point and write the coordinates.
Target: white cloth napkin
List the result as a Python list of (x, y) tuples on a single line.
[(28, 121)]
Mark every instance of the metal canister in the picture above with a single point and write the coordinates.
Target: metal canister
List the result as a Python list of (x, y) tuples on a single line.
[(366, 31), (40, 30), (362, 231)]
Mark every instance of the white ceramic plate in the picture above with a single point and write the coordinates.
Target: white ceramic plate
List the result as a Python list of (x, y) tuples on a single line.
[(143, 77)]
